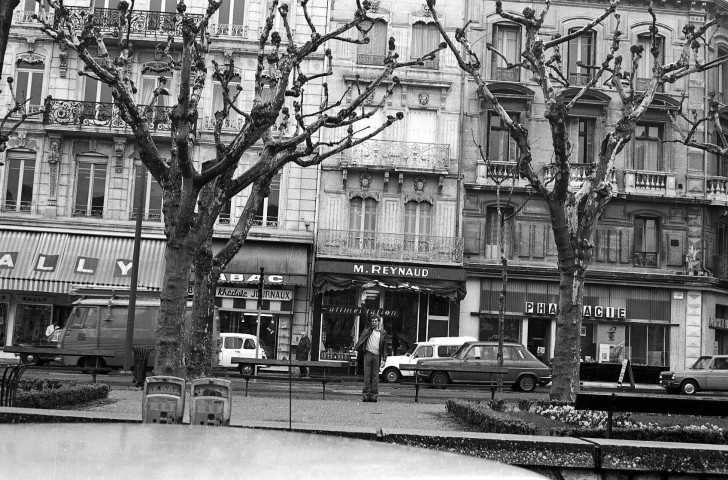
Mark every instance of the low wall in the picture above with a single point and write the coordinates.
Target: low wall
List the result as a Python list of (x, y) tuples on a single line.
[(553, 457)]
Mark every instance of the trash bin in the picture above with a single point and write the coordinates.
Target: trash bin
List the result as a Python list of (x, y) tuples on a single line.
[(141, 358)]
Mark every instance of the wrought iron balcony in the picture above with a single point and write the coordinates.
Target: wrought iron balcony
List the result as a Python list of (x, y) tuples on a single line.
[(390, 246), (506, 74), (410, 156), (22, 206), (650, 183), (370, 59), (98, 114), (144, 23), (433, 64), (233, 123), (494, 172), (645, 259), (229, 30)]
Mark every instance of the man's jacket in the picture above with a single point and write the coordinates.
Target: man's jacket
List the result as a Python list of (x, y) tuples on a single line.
[(304, 346), (361, 344)]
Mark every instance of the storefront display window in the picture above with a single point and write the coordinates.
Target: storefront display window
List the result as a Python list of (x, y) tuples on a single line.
[(511, 329), (647, 344), (338, 329), (31, 321), (240, 322), (400, 320), (438, 318)]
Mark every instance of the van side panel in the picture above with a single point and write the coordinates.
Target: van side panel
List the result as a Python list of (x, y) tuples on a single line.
[(81, 331)]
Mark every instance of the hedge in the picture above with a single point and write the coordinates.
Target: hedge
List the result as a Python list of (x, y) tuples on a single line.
[(44, 395), (484, 419)]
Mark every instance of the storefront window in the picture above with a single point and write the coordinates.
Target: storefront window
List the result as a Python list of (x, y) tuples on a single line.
[(241, 322), (511, 329), (438, 316), (3, 322), (400, 320), (31, 321), (338, 330), (647, 344)]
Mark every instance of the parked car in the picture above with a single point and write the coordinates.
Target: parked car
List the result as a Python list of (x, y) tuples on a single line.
[(51, 341), (436, 347), (240, 345), (525, 371), (709, 372)]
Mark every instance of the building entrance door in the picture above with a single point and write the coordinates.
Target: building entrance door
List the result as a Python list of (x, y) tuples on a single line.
[(538, 338)]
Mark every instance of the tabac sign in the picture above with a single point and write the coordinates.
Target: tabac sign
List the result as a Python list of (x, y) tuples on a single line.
[(587, 311)]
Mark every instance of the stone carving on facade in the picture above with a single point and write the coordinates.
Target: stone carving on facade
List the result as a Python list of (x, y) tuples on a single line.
[(420, 184), (424, 98), (54, 159), (363, 194), (30, 58), (63, 60), (365, 180), (119, 147)]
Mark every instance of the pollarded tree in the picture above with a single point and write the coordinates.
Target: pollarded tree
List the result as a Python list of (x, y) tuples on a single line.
[(574, 212), (194, 192)]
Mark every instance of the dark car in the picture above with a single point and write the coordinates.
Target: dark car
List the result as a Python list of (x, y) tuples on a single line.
[(51, 341), (525, 371)]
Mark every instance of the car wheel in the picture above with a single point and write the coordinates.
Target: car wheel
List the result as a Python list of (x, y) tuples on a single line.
[(439, 379), (28, 359), (689, 387), (392, 375), (246, 370), (526, 383)]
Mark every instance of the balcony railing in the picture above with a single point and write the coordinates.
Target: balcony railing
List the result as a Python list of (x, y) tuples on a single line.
[(579, 173), (433, 64), (717, 187), (579, 79), (506, 74), (387, 154), (228, 30), (234, 123), (645, 259), (369, 59), (494, 172), (390, 246), (98, 114), (650, 183), (14, 206), (144, 23), (26, 16), (154, 215)]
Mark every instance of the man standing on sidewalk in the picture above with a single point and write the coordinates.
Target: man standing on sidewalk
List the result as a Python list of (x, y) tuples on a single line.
[(372, 344), (304, 346)]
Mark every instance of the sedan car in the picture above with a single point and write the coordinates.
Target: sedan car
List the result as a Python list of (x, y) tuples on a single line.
[(525, 371), (709, 372)]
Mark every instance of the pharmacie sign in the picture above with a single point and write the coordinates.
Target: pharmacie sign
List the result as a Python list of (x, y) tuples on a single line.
[(587, 311), (280, 295)]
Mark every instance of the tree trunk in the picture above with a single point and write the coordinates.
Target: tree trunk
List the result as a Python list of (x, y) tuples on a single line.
[(567, 355), (170, 345), (202, 345)]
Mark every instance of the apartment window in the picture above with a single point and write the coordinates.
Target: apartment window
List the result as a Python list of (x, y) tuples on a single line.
[(230, 18), (147, 193), (29, 85), (417, 226), (507, 40), (267, 214), (233, 120), (501, 147), (90, 189), (362, 222), (721, 239), (723, 74), (159, 114), (20, 172), (374, 52), (225, 217), (30, 7), (493, 234), (644, 69), (425, 38), (648, 146), (581, 133), (646, 242), (580, 49)]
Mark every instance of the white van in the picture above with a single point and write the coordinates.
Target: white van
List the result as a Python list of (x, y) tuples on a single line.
[(240, 345), (435, 347)]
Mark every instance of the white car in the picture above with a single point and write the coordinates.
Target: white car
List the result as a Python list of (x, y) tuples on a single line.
[(436, 347), (240, 345)]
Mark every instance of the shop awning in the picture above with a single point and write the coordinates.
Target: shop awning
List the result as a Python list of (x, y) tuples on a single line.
[(52, 262), (285, 263), (446, 282)]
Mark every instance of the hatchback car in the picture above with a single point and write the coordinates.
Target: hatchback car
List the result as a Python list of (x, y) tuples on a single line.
[(709, 372), (525, 371)]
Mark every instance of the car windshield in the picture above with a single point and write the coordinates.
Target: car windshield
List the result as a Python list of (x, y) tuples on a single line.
[(701, 364)]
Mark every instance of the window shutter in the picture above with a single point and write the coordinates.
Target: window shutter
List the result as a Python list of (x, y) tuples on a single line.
[(590, 134), (613, 253), (675, 249), (524, 230), (709, 250), (472, 230), (599, 245), (539, 240), (573, 132), (625, 253)]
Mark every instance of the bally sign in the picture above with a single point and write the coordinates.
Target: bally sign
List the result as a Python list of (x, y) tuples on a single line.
[(82, 265), (589, 311), (280, 295)]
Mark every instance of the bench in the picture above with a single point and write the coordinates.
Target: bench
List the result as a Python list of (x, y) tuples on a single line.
[(12, 373), (268, 362), (645, 403), (493, 385)]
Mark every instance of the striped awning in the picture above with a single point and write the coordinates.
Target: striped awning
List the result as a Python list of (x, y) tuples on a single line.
[(52, 262)]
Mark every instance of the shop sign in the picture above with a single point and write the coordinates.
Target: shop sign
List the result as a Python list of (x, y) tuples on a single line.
[(34, 299), (280, 295), (721, 323), (46, 263), (343, 310), (4, 298), (250, 278), (589, 311), (391, 270), (8, 260)]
